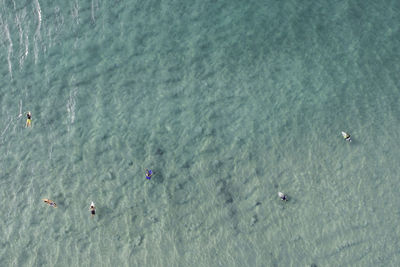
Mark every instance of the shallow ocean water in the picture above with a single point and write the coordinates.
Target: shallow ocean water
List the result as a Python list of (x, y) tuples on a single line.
[(228, 102)]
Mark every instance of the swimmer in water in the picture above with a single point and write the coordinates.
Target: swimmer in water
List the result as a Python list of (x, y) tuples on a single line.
[(92, 209), (50, 202), (28, 119), (149, 173)]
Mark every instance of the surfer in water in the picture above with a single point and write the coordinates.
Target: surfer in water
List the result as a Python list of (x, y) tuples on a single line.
[(282, 196), (92, 209), (28, 119), (346, 136), (50, 202), (149, 173)]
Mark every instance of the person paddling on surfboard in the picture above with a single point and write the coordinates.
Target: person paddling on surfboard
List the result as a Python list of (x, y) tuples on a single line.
[(50, 202), (346, 136), (282, 196), (149, 173), (92, 209)]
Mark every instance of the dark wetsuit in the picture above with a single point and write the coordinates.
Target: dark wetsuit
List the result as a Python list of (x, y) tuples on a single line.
[(93, 211)]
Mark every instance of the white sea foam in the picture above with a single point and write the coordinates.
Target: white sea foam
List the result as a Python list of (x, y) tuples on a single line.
[(26, 45), (23, 38), (75, 12), (39, 13), (37, 32), (11, 122), (21, 34), (10, 46), (71, 102), (94, 5), (8, 125), (20, 109), (36, 50)]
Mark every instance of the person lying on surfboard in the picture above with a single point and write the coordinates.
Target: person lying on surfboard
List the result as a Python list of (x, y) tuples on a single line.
[(346, 136), (92, 209), (50, 202), (28, 119), (282, 196)]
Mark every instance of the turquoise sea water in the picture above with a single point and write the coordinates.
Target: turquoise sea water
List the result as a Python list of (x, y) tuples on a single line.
[(228, 102)]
